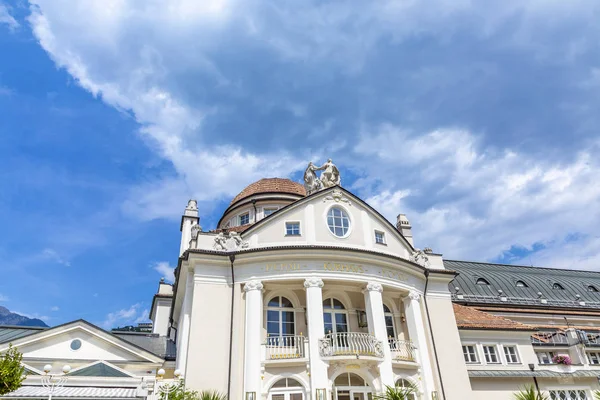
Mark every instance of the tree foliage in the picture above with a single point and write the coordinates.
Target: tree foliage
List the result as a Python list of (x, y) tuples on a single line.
[(529, 393), (12, 372), (182, 394)]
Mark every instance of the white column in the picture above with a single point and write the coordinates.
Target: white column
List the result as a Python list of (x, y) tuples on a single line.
[(416, 332), (183, 331), (376, 320), (316, 331), (252, 349)]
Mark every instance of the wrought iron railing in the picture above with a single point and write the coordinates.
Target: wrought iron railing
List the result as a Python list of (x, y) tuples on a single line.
[(551, 339), (350, 343), (285, 347), (402, 350)]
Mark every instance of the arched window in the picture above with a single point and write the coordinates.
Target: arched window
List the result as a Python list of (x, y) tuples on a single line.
[(349, 379), (335, 316), (351, 386), (389, 322), (521, 284), (409, 388), (482, 281), (286, 389), (592, 288), (557, 286), (280, 318)]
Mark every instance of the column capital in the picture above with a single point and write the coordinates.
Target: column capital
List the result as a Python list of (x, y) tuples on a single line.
[(253, 285), (413, 295), (313, 282), (374, 287)]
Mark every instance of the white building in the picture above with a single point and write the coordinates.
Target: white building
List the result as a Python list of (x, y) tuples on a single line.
[(317, 296)]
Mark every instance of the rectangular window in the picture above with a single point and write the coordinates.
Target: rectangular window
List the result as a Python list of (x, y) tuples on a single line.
[(292, 228), (268, 211), (379, 237), (545, 357), (470, 354), (491, 356), (510, 352), (571, 394), (593, 358), (245, 219)]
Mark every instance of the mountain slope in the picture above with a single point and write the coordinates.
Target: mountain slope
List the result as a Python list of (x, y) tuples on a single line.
[(11, 318)]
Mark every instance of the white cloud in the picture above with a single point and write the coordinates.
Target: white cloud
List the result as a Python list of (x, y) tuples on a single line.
[(7, 18), (481, 203), (53, 255), (3, 297), (54, 308), (165, 270), (124, 316)]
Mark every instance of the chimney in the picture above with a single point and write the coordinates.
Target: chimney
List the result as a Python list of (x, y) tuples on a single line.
[(404, 228), (189, 218), (161, 308)]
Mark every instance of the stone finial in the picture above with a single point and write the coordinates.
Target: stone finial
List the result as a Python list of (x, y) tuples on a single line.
[(196, 229)]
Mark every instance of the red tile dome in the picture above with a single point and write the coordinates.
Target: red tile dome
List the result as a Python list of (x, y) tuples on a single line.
[(270, 185)]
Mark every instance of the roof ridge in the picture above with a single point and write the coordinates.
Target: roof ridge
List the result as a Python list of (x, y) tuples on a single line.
[(523, 266)]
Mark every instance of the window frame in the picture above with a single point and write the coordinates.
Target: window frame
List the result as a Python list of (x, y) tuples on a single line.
[(496, 353), (240, 216), (272, 209), (383, 241), (482, 280), (547, 353), (597, 355), (349, 216), (475, 353), (517, 355), (280, 310), (292, 234)]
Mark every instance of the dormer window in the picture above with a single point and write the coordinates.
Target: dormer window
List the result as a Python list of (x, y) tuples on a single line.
[(245, 219), (592, 288), (521, 284), (482, 281), (558, 286), (268, 211)]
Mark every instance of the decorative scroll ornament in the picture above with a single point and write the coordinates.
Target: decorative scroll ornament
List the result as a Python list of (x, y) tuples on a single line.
[(414, 295), (229, 242), (329, 177), (325, 347), (313, 282), (253, 285), (196, 229), (374, 287), (420, 257), (337, 196)]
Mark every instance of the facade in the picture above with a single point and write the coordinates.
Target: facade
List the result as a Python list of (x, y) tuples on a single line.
[(307, 292)]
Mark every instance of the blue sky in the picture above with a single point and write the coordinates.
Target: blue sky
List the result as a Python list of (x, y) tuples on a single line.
[(479, 120)]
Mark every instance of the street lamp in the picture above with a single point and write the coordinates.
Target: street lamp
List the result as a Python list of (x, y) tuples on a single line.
[(52, 382), (532, 367), (168, 388)]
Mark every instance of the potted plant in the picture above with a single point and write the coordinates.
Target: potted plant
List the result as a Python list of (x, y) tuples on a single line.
[(562, 359)]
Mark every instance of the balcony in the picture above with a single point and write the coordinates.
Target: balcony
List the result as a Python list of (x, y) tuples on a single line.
[(551, 339), (402, 350), (350, 344), (289, 348)]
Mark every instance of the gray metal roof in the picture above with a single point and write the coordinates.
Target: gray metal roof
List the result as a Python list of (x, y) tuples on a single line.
[(528, 373), (159, 345), (504, 277), (99, 369), (11, 333)]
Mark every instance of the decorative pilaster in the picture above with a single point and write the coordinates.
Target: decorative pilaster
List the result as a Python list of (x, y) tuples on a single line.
[(316, 331), (376, 318), (252, 361), (183, 331), (417, 333)]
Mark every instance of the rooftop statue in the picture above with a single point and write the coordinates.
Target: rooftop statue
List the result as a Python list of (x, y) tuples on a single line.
[(329, 177)]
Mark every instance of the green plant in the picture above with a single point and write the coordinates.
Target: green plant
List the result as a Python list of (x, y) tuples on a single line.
[(181, 394), (211, 395), (396, 393), (529, 393), (597, 394), (12, 372)]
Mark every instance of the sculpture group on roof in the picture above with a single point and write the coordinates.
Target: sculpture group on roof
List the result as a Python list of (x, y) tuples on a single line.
[(329, 177)]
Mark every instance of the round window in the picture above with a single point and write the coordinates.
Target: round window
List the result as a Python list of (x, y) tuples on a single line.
[(338, 221), (75, 344)]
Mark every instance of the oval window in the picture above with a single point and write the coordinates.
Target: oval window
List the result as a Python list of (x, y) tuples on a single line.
[(338, 222), (76, 344)]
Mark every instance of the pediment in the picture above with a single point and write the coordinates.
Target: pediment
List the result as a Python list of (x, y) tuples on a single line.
[(94, 343), (312, 215)]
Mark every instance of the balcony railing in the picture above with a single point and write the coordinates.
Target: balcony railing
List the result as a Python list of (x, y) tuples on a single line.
[(285, 347), (402, 350), (550, 339), (349, 344)]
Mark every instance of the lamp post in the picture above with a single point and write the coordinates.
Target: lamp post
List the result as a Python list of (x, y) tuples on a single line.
[(532, 367), (52, 382), (168, 388)]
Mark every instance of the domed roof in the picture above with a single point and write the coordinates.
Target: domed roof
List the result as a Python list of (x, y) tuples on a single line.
[(270, 185)]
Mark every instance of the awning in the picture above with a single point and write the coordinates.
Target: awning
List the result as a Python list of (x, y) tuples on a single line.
[(28, 392), (529, 373)]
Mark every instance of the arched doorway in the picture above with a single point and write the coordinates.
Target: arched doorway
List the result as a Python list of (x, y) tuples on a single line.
[(349, 386), (286, 389), (410, 388)]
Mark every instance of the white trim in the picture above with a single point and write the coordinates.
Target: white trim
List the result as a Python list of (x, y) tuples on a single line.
[(516, 347), (477, 353), (498, 355)]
